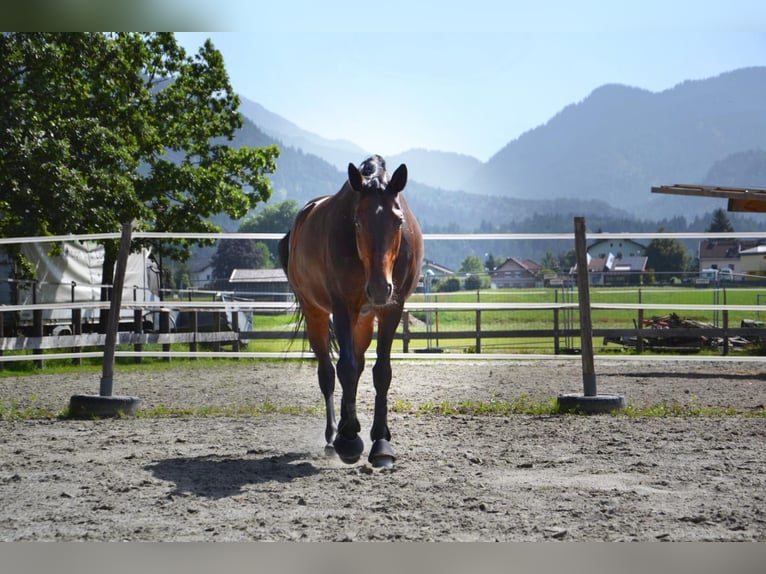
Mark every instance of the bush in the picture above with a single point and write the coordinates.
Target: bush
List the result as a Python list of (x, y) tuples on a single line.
[(475, 282), (448, 285)]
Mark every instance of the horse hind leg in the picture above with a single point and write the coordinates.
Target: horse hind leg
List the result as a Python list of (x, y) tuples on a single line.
[(317, 326), (326, 376)]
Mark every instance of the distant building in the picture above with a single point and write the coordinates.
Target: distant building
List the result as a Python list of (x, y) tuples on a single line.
[(516, 273), (437, 271), (620, 248), (202, 276), (615, 262), (260, 284), (727, 254), (752, 261)]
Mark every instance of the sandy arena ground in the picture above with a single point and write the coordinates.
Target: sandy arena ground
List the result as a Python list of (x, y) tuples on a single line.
[(458, 477)]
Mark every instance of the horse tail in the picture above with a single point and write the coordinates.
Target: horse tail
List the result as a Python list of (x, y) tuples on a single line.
[(283, 250)]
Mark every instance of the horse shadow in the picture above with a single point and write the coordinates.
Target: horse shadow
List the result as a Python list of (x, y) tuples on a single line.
[(216, 476)]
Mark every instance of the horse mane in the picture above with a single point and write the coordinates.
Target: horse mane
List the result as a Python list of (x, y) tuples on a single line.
[(374, 171)]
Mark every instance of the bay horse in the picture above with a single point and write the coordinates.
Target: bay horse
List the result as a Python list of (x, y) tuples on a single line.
[(352, 258)]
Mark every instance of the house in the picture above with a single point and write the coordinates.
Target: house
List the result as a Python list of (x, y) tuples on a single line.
[(619, 247), (437, 271), (726, 254), (516, 273), (752, 261), (260, 284), (202, 275), (615, 261), (614, 270)]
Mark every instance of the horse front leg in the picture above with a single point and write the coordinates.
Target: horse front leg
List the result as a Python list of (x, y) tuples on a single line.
[(348, 444), (381, 453)]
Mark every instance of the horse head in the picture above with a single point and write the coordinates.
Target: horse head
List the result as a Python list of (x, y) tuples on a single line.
[(378, 223)]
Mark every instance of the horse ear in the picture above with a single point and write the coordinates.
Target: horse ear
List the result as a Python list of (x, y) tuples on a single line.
[(355, 178), (398, 180)]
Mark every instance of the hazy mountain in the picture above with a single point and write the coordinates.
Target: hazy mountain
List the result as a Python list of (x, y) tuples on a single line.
[(445, 170), (439, 169), (619, 141), (597, 158), (337, 152), (745, 169)]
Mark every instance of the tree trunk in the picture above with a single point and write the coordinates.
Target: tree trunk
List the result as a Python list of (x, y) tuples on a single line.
[(107, 280)]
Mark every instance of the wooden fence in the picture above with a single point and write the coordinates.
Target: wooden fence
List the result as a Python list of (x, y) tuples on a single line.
[(78, 345), (229, 340)]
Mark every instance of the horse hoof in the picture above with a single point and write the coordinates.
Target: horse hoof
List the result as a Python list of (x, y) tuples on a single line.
[(349, 450), (381, 454)]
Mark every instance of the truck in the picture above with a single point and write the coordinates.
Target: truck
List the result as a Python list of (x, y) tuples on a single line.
[(73, 276), (713, 276)]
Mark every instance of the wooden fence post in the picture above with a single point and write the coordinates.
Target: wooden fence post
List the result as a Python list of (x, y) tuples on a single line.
[(478, 331), (639, 336), (235, 329), (76, 325), (406, 332), (586, 326), (195, 328), (165, 329)]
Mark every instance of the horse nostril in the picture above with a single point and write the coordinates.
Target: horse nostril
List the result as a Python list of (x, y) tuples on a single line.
[(379, 294)]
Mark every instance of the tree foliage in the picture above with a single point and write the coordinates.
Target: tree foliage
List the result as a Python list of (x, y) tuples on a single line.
[(97, 130), (719, 222), (550, 262), (276, 218), (239, 254), (667, 255), (472, 264)]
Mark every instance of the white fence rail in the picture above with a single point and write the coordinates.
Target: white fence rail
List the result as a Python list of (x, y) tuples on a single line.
[(75, 342)]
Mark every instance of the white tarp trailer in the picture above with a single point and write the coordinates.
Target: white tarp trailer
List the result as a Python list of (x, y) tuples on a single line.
[(74, 276)]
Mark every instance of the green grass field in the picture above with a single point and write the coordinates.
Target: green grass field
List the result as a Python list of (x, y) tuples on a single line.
[(435, 324)]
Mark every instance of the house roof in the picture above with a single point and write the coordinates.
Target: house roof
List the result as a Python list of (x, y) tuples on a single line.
[(757, 250), (723, 248), (257, 276), (514, 263), (615, 244), (427, 264)]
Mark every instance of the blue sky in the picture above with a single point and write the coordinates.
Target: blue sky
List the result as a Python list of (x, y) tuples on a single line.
[(390, 76)]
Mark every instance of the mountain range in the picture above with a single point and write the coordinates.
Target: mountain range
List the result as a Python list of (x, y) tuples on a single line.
[(597, 158), (611, 147)]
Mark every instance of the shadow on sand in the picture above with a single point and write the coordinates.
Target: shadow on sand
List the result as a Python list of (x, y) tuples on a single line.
[(215, 476)]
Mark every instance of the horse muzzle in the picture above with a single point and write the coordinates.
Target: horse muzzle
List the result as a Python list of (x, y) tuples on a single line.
[(379, 293)]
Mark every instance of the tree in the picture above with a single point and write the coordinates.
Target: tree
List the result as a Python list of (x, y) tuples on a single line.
[(97, 130), (472, 264), (490, 264), (667, 255), (550, 262), (239, 254), (719, 222), (276, 218)]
